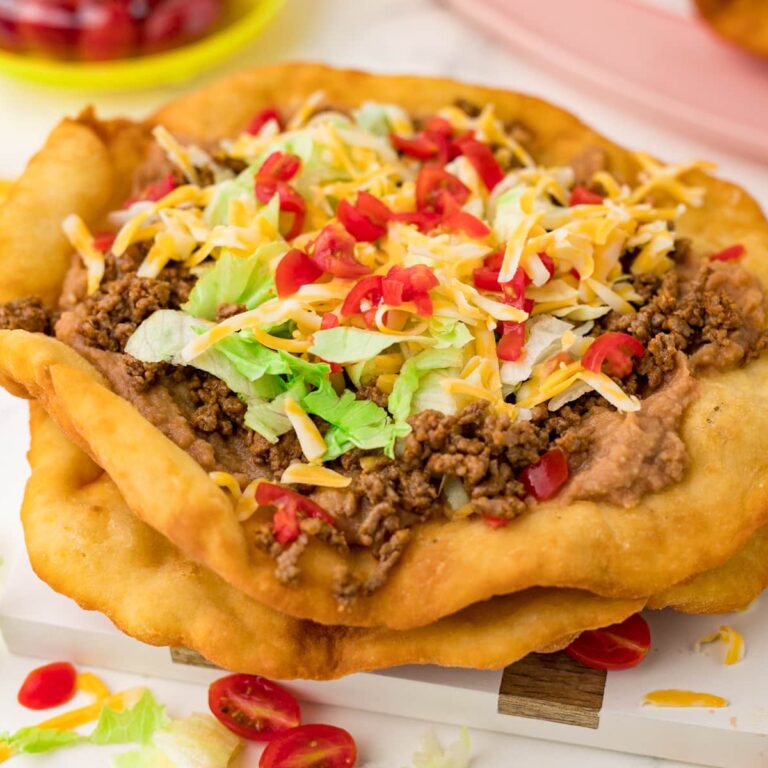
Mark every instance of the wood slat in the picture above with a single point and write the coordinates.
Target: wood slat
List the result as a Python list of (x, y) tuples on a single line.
[(553, 687)]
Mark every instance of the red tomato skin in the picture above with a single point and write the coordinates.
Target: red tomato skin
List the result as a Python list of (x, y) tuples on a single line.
[(511, 343), (288, 749), (103, 240), (483, 161), (272, 493), (108, 31), (544, 479), (261, 118), (436, 188), (357, 224), (620, 646), (174, 22), (49, 686), (420, 146), (48, 26), (370, 288), (334, 252), (244, 686), (584, 196), (732, 253), (615, 351), (294, 270)]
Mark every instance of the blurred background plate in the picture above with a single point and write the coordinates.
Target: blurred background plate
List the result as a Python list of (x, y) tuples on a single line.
[(244, 19), (667, 66)]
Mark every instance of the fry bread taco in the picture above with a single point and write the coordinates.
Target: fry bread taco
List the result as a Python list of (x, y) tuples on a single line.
[(396, 345), (169, 600), (741, 22)]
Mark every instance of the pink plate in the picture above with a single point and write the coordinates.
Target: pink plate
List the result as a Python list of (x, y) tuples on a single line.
[(668, 68)]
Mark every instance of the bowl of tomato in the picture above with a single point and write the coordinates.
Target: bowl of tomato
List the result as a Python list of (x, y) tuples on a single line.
[(124, 43)]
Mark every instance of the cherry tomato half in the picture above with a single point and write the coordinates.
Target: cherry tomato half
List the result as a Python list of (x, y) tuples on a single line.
[(619, 646), (544, 479), (311, 746), (48, 686), (253, 707)]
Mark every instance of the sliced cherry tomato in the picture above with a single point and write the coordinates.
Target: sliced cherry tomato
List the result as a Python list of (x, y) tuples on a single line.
[(584, 196), (510, 346), (494, 260), (49, 686), (367, 219), (261, 118), (616, 351), (435, 186), (329, 321), (289, 505), (368, 289), (732, 253), (107, 30), (620, 646), (173, 22), (392, 292), (311, 746), (48, 26), (544, 479), (103, 241), (492, 521), (456, 220), (482, 159), (416, 279), (438, 125), (291, 202), (253, 707), (334, 252), (514, 290), (294, 270)]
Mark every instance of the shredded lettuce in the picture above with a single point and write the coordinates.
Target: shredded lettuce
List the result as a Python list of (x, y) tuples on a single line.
[(268, 417), (241, 188), (508, 213), (34, 740), (449, 333), (351, 345), (137, 724), (354, 423), (378, 118), (431, 396), (432, 755), (235, 280), (197, 741), (407, 384), (162, 336)]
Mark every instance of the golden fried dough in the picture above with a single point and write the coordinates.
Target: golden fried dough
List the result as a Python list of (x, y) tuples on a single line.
[(743, 22), (615, 552)]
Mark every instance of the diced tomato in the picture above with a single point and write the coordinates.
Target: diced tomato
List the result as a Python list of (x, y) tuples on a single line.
[(494, 522), (369, 288), (416, 281), (291, 202), (514, 290), (584, 196), (435, 187), (616, 351), (486, 279), (494, 260), (732, 253), (620, 646), (482, 159), (510, 346), (311, 746), (155, 191), (107, 30), (253, 707), (289, 505), (103, 241), (261, 118), (438, 125), (544, 479), (367, 219), (392, 292), (548, 263), (294, 270), (334, 252), (575, 273), (426, 221), (420, 146), (463, 221), (49, 686), (329, 321), (279, 166)]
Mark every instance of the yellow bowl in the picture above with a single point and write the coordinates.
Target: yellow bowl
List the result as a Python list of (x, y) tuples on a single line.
[(243, 21)]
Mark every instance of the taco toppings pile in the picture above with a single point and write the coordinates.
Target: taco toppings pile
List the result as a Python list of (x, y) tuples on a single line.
[(358, 321)]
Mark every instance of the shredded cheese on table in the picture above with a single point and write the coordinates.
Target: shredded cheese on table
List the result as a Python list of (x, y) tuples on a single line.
[(672, 697), (577, 262), (732, 639)]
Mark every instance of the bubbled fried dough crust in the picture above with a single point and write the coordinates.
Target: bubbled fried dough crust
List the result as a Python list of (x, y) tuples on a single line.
[(668, 537)]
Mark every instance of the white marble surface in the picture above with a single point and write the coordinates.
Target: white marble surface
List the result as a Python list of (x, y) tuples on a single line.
[(386, 35)]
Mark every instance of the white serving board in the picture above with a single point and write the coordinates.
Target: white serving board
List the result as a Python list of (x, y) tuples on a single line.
[(35, 621)]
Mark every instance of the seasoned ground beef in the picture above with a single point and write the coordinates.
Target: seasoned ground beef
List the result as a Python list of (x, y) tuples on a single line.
[(26, 314)]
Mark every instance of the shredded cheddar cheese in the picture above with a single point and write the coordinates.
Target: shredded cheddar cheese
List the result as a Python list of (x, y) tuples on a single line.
[(88, 682), (82, 241), (312, 444), (676, 698), (733, 641), (310, 474)]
